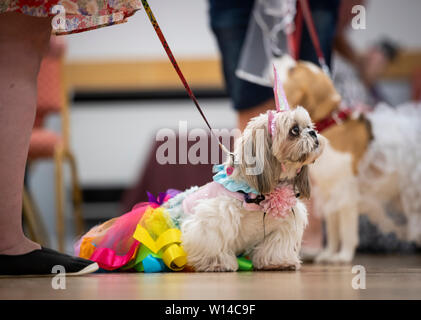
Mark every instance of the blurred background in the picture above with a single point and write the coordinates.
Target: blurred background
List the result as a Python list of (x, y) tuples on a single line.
[(122, 89)]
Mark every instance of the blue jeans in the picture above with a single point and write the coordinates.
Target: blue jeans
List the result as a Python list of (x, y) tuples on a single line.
[(229, 20)]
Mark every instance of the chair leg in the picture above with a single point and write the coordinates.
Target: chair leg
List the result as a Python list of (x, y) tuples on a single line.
[(33, 219), (77, 195), (28, 215), (58, 162)]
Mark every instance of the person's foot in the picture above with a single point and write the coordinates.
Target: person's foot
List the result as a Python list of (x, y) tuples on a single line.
[(21, 245), (42, 261)]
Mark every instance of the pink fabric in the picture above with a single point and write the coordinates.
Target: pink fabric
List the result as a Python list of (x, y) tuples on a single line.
[(212, 190), (114, 240), (119, 236), (279, 202), (108, 260), (80, 15)]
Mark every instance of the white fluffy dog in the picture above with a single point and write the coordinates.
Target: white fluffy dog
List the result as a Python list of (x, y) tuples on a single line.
[(221, 225)]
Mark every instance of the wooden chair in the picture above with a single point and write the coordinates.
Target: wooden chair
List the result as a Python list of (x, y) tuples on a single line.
[(46, 144)]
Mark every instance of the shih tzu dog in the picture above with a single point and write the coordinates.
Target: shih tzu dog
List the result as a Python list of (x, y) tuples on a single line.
[(335, 175), (253, 206)]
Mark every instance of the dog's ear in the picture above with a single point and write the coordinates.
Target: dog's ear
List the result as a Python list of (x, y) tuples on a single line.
[(302, 183), (258, 166), (265, 181)]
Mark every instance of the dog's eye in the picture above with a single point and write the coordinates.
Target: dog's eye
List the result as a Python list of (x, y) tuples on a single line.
[(295, 130)]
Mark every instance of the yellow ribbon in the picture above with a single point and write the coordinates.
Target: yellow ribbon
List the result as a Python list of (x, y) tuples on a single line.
[(167, 246)]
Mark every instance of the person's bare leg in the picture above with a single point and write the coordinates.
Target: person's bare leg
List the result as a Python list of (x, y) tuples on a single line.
[(23, 40)]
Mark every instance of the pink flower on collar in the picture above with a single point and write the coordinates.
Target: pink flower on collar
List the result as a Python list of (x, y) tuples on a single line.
[(230, 170), (279, 202)]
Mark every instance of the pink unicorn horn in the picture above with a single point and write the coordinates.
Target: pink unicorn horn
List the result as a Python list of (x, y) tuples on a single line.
[(280, 97)]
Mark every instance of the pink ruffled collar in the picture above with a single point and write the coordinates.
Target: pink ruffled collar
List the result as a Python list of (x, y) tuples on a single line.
[(279, 202)]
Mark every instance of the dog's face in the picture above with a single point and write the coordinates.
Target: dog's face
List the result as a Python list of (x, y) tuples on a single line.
[(284, 156), (295, 141), (306, 85)]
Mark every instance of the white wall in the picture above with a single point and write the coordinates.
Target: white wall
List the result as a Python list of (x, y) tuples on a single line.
[(184, 23), (399, 20)]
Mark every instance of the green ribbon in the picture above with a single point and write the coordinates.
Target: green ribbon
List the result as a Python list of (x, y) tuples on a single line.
[(136, 263)]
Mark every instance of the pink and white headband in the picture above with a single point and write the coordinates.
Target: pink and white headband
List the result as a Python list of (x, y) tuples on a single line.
[(280, 101)]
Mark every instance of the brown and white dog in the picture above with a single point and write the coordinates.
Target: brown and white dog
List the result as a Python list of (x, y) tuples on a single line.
[(335, 173)]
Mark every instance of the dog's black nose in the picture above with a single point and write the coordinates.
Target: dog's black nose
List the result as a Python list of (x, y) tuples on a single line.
[(313, 134)]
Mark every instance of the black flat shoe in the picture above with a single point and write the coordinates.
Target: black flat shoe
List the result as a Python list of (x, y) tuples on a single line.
[(42, 261)]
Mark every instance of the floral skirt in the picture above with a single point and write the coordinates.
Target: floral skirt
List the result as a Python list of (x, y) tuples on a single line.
[(72, 16)]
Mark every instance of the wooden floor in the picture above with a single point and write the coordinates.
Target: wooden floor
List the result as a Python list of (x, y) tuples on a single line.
[(388, 277)]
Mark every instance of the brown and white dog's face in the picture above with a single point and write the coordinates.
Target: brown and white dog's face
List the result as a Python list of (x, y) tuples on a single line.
[(306, 85), (283, 156)]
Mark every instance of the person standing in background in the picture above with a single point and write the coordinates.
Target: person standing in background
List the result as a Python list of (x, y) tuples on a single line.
[(229, 21)]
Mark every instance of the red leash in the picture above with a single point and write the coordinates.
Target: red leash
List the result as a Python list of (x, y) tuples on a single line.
[(303, 11), (172, 59), (178, 70), (294, 41)]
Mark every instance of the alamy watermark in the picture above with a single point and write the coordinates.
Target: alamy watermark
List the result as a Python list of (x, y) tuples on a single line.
[(59, 281), (358, 22), (58, 23), (359, 280), (175, 148)]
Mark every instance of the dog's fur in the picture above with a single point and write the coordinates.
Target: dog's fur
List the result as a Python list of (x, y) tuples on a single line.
[(335, 173), (220, 228)]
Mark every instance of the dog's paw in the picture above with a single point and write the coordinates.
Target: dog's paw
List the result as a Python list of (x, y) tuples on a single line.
[(222, 263), (280, 267), (309, 254), (219, 269), (325, 256), (342, 257), (216, 268)]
